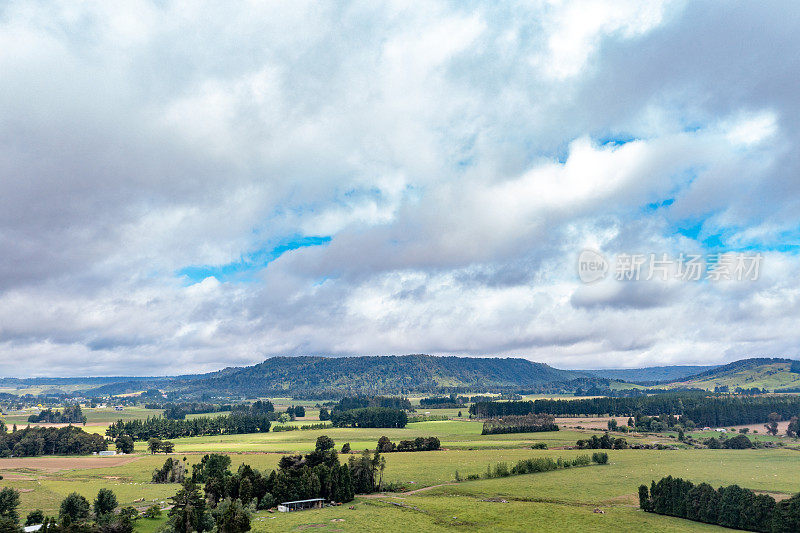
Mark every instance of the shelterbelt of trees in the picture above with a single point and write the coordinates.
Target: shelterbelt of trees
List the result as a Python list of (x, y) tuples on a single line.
[(520, 424), (370, 417), (163, 428), (703, 410), (731, 506), (36, 441)]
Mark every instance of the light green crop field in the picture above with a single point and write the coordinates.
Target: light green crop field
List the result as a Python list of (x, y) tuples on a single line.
[(104, 416), (453, 434), (563, 500)]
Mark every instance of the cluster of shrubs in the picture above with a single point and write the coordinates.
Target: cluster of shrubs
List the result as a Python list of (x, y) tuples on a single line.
[(277, 429), (520, 424), (606, 442), (420, 444), (156, 445), (731, 506), (173, 471), (600, 458), (739, 442), (296, 411)]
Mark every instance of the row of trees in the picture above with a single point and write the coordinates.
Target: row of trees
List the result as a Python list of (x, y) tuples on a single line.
[(163, 428), (420, 444), (731, 506), (71, 414), (33, 441), (520, 424), (702, 410), (739, 442), (370, 417), (536, 465)]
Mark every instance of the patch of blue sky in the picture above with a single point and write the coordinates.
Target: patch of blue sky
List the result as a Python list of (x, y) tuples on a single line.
[(722, 240), (653, 206), (692, 127), (243, 269), (786, 242), (694, 230), (615, 140)]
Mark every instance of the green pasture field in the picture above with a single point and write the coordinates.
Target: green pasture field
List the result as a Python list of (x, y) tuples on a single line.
[(562, 500), (453, 434), (105, 416), (551, 501), (448, 513)]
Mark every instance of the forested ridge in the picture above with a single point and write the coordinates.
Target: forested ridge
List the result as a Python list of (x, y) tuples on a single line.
[(351, 376)]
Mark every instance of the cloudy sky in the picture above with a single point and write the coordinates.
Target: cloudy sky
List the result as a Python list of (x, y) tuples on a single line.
[(184, 189)]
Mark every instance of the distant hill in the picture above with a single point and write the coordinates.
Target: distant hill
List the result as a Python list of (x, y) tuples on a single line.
[(418, 374), (309, 376), (649, 374), (763, 373)]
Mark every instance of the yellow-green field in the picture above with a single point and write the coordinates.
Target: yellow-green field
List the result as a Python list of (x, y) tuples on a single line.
[(94, 416), (554, 501)]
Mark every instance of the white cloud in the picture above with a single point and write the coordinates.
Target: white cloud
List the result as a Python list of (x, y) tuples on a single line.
[(456, 155)]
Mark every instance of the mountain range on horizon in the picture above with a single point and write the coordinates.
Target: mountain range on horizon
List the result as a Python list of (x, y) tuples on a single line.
[(427, 374)]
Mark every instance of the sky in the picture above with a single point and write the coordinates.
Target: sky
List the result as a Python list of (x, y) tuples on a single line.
[(185, 187)]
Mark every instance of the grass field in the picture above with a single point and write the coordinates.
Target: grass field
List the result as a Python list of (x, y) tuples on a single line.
[(552, 501), (94, 416), (453, 434)]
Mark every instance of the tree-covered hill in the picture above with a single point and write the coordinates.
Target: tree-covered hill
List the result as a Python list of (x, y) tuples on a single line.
[(338, 376)]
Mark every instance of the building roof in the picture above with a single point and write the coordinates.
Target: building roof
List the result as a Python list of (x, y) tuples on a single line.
[(305, 501)]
